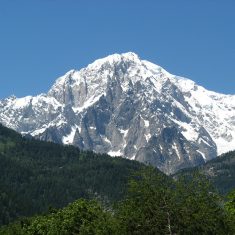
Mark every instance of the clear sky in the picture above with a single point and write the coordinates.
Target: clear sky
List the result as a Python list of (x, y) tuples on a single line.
[(40, 40)]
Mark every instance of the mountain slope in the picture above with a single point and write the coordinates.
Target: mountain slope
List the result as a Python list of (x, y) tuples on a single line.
[(125, 106), (220, 171), (37, 175)]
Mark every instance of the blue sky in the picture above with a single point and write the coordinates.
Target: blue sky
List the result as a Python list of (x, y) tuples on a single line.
[(40, 40)]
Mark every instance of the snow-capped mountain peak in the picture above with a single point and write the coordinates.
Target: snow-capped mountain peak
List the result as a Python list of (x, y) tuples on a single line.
[(115, 59), (126, 106)]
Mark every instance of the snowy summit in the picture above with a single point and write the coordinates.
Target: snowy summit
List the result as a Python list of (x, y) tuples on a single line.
[(129, 107)]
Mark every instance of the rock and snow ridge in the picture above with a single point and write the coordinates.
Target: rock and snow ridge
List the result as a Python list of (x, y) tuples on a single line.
[(126, 106)]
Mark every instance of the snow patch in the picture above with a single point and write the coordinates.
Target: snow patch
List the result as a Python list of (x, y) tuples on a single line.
[(133, 157), (115, 153), (70, 137), (147, 137), (39, 131), (22, 102), (92, 100), (146, 123), (61, 123), (106, 140), (202, 140), (189, 132), (203, 155), (124, 132), (174, 146)]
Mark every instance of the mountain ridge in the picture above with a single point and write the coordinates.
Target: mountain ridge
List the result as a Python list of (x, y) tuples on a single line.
[(124, 106), (220, 171)]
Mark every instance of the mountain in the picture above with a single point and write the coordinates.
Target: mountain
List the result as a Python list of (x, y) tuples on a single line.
[(220, 171), (38, 178), (125, 106), (37, 175)]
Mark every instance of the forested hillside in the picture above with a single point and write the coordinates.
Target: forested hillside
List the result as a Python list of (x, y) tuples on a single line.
[(220, 171), (37, 175), (153, 205)]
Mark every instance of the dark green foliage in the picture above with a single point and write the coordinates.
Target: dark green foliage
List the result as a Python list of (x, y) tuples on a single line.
[(230, 209), (36, 175), (154, 205), (220, 171), (199, 207), (80, 217), (148, 208)]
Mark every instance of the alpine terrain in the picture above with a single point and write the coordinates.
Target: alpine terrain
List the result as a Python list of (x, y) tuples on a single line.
[(125, 106)]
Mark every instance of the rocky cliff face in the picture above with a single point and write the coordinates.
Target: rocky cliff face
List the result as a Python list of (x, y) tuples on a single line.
[(129, 107)]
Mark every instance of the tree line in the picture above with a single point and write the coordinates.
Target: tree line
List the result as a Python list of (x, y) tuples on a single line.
[(153, 205)]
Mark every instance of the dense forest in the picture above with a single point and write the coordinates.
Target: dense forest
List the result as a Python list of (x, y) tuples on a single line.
[(153, 205), (220, 171), (37, 175), (47, 188)]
